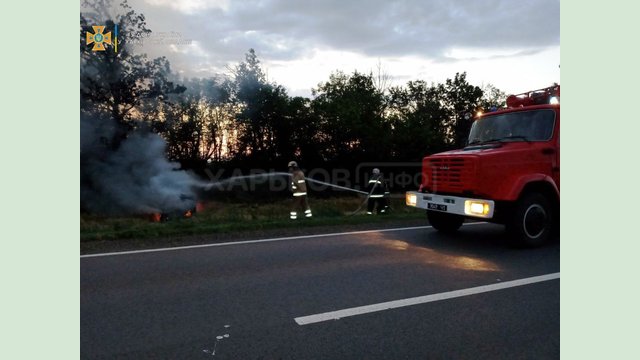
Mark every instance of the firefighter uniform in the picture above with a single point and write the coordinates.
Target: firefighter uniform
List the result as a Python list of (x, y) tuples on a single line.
[(298, 187), (378, 193)]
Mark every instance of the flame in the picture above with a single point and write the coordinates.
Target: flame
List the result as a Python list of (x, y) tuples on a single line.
[(188, 214), (155, 217)]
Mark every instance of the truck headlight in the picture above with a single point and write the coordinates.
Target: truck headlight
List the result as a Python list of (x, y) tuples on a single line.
[(476, 207), (411, 199)]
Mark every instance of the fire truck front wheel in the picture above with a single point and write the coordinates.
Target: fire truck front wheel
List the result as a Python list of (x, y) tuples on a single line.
[(444, 222), (532, 222)]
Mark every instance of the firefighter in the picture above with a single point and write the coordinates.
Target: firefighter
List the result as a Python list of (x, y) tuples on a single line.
[(378, 193), (298, 187)]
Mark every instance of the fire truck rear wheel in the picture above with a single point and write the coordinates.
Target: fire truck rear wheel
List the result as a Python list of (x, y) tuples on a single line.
[(532, 222), (444, 222)]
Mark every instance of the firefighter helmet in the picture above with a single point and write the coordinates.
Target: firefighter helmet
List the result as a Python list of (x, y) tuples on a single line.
[(293, 164), (376, 171)]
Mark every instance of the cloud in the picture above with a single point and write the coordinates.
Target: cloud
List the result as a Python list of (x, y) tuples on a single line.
[(284, 31), (191, 6), (285, 28)]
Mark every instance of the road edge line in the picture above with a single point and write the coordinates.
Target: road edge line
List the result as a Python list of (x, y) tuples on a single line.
[(259, 241)]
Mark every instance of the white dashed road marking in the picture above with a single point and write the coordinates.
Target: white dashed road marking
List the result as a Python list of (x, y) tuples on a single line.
[(360, 310)]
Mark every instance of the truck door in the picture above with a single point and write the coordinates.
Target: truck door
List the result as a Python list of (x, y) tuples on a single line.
[(551, 149), (555, 167)]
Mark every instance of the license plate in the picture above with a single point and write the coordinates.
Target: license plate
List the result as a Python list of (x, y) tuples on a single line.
[(436, 207)]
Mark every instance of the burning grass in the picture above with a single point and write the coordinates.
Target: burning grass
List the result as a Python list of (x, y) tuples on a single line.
[(222, 217)]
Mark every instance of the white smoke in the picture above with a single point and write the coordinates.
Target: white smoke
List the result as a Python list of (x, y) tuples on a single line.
[(135, 178)]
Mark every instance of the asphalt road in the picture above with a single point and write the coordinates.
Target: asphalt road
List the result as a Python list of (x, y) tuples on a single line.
[(246, 301)]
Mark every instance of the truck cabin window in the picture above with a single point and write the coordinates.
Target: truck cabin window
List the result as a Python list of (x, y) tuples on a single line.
[(536, 125)]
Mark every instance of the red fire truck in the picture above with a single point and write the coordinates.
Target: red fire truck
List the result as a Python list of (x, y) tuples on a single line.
[(509, 172)]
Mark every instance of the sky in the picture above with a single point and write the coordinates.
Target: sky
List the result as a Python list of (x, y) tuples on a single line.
[(513, 45)]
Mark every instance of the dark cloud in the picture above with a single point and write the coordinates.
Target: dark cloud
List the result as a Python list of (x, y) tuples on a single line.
[(287, 29), (290, 29)]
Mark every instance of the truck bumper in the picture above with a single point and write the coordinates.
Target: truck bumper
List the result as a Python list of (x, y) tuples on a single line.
[(479, 208)]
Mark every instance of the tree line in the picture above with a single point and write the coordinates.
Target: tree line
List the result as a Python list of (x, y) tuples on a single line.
[(242, 120)]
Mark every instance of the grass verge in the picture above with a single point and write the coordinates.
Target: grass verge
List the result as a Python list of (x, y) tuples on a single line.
[(219, 217)]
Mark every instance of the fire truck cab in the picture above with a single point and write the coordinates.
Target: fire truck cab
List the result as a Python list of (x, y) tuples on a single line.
[(509, 173)]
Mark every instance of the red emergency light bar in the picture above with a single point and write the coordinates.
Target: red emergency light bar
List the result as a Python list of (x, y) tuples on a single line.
[(550, 95)]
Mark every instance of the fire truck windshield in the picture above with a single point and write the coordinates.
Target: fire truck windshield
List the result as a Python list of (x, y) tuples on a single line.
[(534, 125)]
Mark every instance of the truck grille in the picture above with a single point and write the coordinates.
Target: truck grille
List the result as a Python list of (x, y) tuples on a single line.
[(450, 174)]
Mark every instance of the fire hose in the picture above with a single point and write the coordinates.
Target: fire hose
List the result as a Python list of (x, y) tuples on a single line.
[(349, 189), (232, 179)]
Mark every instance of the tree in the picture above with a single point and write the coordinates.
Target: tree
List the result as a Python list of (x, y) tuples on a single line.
[(463, 100), (350, 110), (306, 141), (381, 78), (116, 83), (196, 123), (492, 98), (419, 117), (247, 92)]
